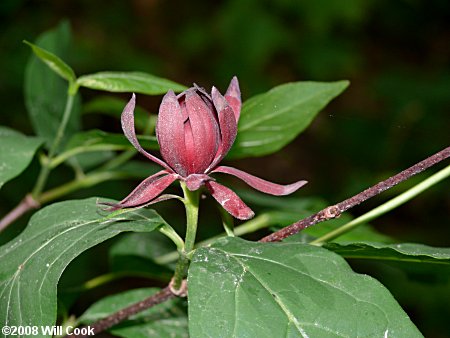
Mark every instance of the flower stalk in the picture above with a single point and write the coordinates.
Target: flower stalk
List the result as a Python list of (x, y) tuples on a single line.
[(191, 204)]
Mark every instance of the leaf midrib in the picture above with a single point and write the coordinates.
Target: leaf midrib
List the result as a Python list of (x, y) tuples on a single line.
[(143, 78)]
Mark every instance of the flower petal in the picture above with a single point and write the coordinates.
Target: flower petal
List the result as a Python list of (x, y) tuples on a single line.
[(205, 132), (260, 184), (171, 134), (127, 120), (219, 101), (229, 201), (228, 126), (146, 191), (195, 181), (161, 198), (233, 96)]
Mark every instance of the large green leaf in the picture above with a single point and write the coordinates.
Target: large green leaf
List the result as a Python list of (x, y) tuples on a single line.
[(167, 319), (96, 141), (136, 253), (149, 246), (271, 120), (46, 92), (247, 289), (404, 252), (97, 138), (54, 62), (33, 262), (113, 106), (129, 82), (16, 153)]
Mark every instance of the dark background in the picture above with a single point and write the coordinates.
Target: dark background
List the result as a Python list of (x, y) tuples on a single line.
[(395, 113)]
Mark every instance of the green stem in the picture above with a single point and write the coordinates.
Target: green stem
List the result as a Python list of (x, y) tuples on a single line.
[(87, 181), (45, 169), (167, 230), (384, 208), (227, 222), (260, 222), (191, 203), (128, 154), (56, 161), (118, 160)]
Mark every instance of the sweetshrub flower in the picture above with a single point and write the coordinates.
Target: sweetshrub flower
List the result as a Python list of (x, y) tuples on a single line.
[(195, 130)]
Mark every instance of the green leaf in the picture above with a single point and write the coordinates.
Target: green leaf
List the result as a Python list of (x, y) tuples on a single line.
[(404, 252), (90, 160), (33, 262), (137, 253), (97, 140), (283, 203), (246, 289), (16, 153), (271, 120), (167, 319), (46, 93), (148, 246), (113, 106), (129, 82), (137, 169), (54, 62)]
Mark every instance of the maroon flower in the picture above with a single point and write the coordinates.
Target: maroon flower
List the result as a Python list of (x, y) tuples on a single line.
[(195, 131)]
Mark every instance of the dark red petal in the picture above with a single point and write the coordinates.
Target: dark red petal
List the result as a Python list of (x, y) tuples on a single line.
[(205, 132), (260, 184), (228, 126), (127, 120), (146, 191), (233, 96), (229, 201), (195, 181), (161, 198), (170, 133)]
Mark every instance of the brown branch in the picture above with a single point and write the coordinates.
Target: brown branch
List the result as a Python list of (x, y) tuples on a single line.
[(336, 210), (323, 215), (117, 317), (27, 204)]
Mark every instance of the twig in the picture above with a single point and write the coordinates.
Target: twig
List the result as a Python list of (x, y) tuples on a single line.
[(117, 317), (336, 210), (323, 215), (30, 203), (23, 207)]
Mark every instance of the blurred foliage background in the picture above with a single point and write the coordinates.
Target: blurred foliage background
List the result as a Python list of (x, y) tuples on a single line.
[(395, 113)]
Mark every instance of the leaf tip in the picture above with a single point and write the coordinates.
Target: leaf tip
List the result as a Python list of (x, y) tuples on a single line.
[(344, 83), (27, 43)]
